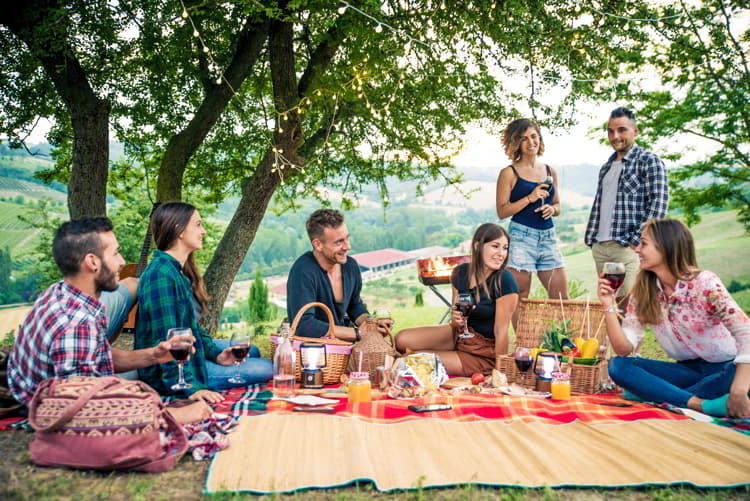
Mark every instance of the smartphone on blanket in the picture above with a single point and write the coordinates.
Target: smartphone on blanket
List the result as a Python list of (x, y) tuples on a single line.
[(429, 407)]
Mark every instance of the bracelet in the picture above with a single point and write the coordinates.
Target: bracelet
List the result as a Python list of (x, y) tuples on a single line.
[(611, 309), (356, 334)]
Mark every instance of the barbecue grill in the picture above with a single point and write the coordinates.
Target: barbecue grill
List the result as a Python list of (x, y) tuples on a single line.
[(438, 270)]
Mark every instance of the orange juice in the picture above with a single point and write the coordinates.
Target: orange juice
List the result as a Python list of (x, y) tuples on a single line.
[(560, 388), (359, 388)]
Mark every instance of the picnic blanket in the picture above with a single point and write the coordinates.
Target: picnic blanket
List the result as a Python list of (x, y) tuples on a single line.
[(287, 453)]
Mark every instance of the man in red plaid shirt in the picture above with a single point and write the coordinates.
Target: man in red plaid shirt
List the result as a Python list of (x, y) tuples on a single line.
[(65, 333)]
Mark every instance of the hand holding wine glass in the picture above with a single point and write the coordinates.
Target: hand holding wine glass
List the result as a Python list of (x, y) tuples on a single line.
[(384, 320), (614, 274), (240, 344), (180, 347), (464, 305)]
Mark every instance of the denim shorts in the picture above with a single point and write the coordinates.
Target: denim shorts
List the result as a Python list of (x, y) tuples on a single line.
[(533, 250)]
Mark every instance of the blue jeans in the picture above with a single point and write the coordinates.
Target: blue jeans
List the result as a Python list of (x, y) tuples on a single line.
[(672, 382), (117, 305), (253, 370)]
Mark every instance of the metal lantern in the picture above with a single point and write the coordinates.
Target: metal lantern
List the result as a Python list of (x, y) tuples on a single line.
[(312, 359), (545, 365)]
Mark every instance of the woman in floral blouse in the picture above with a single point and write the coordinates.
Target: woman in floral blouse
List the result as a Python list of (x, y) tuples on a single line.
[(695, 321)]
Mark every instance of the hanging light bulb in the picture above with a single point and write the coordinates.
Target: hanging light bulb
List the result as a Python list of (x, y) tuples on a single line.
[(205, 49), (378, 28), (342, 9), (218, 81), (195, 33), (407, 47), (184, 14)]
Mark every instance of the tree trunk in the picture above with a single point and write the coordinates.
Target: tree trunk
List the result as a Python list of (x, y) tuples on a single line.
[(258, 189), (232, 248), (184, 144), (87, 188)]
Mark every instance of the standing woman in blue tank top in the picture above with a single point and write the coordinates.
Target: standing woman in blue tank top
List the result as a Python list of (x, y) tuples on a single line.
[(526, 195)]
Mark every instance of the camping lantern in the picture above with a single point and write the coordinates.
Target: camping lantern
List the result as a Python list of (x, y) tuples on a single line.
[(312, 359), (546, 364)]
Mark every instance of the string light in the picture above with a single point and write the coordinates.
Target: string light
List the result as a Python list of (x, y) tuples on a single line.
[(356, 84), (640, 19)]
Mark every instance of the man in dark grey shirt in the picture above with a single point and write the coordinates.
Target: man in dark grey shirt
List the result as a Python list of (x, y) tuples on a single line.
[(328, 275)]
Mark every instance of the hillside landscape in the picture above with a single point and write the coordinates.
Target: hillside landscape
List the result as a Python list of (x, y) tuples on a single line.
[(443, 215)]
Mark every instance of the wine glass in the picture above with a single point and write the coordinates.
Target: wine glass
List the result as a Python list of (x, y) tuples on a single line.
[(465, 304), (180, 350), (615, 274), (384, 314), (522, 357), (240, 344)]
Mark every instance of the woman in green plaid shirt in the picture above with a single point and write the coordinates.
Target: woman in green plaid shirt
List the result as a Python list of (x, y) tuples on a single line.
[(171, 294)]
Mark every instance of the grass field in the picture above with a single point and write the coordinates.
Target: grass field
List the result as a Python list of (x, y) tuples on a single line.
[(721, 248)]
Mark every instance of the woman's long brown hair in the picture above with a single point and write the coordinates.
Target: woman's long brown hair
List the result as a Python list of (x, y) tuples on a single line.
[(673, 239), (486, 232), (168, 222)]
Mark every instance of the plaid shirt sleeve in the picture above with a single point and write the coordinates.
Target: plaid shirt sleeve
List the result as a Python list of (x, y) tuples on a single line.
[(80, 350), (658, 191)]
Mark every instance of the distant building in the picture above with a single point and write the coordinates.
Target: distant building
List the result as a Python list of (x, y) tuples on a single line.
[(378, 261)]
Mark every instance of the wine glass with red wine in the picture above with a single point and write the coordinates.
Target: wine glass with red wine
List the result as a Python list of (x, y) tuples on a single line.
[(240, 343), (615, 274), (180, 350), (465, 304), (522, 357)]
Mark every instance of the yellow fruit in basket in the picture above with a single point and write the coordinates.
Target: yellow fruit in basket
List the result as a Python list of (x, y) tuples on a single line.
[(579, 343), (535, 352), (590, 348)]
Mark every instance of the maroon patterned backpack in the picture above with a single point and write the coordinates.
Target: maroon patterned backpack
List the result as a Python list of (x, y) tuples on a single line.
[(103, 423)]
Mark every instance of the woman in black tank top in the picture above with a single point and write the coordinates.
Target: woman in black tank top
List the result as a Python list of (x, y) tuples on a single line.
[(527, 193), (495, 297)]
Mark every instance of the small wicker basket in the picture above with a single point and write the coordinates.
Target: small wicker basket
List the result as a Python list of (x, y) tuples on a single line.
[(585, 318), (373, 349), (337, 351)]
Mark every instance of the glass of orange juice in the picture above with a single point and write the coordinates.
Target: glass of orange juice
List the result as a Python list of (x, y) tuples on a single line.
[(359, 388), (560, 386)]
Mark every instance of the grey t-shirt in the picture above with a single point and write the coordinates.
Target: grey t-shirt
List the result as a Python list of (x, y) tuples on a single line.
[(607, 205)]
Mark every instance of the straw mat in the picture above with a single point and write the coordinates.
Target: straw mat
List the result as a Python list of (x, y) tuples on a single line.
[(286, 453)]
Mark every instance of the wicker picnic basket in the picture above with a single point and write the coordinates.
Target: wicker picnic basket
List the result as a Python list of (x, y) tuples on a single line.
[(337, 351), (586, 318)]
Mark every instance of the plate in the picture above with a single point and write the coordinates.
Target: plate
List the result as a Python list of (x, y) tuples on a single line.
[(309, 400), (532, 393)]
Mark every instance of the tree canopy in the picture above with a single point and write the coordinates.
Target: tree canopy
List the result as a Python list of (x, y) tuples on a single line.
[(256, 98), (700, 54)]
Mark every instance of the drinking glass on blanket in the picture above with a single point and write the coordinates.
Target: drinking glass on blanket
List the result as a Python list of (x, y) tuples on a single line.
[(180, 351), (240, 343)]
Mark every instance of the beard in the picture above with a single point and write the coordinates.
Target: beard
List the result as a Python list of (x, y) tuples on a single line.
[(106, 279)]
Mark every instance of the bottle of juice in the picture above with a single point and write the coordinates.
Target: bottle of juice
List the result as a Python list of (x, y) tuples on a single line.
[(284, 364)]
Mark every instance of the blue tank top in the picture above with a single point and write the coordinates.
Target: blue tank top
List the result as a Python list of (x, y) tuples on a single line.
[(527, 216)]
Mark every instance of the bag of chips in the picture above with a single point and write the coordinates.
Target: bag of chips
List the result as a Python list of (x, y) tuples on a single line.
[(416, 374)]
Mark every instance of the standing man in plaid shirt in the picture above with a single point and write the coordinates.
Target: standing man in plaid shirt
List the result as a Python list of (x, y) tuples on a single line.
[(65, 333), (632, 189)]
